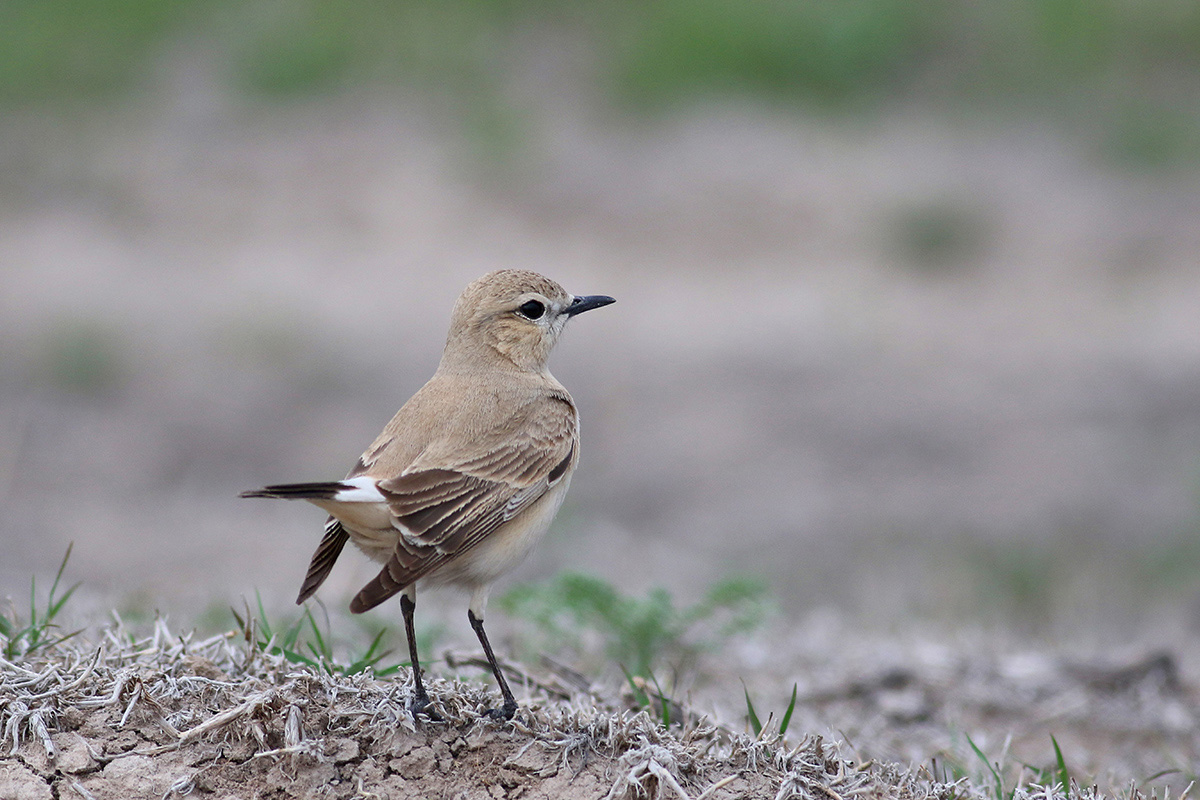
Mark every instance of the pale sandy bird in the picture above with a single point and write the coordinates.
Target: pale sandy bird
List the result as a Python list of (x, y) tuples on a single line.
[(467, 476)]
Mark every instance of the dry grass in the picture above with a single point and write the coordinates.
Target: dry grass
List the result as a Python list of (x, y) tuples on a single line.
[(113, 714)]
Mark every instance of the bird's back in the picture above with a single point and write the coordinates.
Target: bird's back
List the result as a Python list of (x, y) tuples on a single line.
[(457, 419)]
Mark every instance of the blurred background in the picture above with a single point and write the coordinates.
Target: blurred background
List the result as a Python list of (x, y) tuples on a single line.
[(908, 316)]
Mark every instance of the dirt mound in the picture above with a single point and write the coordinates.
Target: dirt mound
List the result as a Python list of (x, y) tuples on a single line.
[(166, 716)]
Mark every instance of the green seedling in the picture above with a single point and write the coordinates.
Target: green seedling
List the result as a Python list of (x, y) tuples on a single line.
[(955, 768), (751, 714), (304, 642), (638, 632), (1063, 776), (40, 631), (757, 725), (998, 782), (648, 695), (1057, 773)]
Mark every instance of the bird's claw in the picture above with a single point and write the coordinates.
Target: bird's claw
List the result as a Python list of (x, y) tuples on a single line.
[(503, 714), (423, 706)]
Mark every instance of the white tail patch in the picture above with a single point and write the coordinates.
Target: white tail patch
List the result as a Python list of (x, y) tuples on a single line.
[(359, 490)]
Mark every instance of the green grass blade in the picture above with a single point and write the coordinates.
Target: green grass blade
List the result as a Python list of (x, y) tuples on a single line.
[(639, 696), (662, 697), (53, 606), (265, 625), (991, 769), (292, 635), (1064, 776), (297, 658), (56, 605), (1162, 773), (22, 639), (370, 658), (31, 628), (319, 646), (787, 715), (755, 724)]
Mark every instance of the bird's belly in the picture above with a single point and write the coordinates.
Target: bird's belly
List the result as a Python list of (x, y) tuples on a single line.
[(507, 546), (377, 543)]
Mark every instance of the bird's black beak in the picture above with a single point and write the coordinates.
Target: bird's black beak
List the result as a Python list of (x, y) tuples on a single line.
[(587, 303)]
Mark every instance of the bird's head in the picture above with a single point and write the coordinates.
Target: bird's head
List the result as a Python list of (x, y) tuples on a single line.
[(514, 316)]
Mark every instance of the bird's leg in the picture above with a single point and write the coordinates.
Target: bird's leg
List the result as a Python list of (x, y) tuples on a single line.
[(420, 702), (510, 703)]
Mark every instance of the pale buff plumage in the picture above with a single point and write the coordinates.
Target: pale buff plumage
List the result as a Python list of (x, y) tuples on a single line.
[(468, 475)]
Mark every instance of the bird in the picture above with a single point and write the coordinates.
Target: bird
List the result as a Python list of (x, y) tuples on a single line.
[(468, 475)]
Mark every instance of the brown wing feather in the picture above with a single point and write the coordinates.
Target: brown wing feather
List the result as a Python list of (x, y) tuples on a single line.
[(480, 507), (322, 561), (444, 512)]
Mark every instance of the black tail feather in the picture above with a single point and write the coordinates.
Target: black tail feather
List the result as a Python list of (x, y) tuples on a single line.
[(298, 491)]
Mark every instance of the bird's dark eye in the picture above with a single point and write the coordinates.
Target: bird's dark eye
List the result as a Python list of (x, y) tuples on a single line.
[(532, 309)]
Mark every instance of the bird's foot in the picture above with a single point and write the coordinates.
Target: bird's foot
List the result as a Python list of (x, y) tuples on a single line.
[(505, 713), (421, 705)]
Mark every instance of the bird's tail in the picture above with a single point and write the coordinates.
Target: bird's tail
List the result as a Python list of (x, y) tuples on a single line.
[(299, 491), (361, 489)]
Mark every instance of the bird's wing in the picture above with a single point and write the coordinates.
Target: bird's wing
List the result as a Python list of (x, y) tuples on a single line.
[(444, 511), (322, 561)]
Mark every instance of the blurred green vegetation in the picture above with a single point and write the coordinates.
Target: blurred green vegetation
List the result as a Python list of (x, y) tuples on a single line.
[(82, 356), (72, 49), (638, 633), (940, 235), (1129, 67), (822, 52), (21, 634), (1069, 584)]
